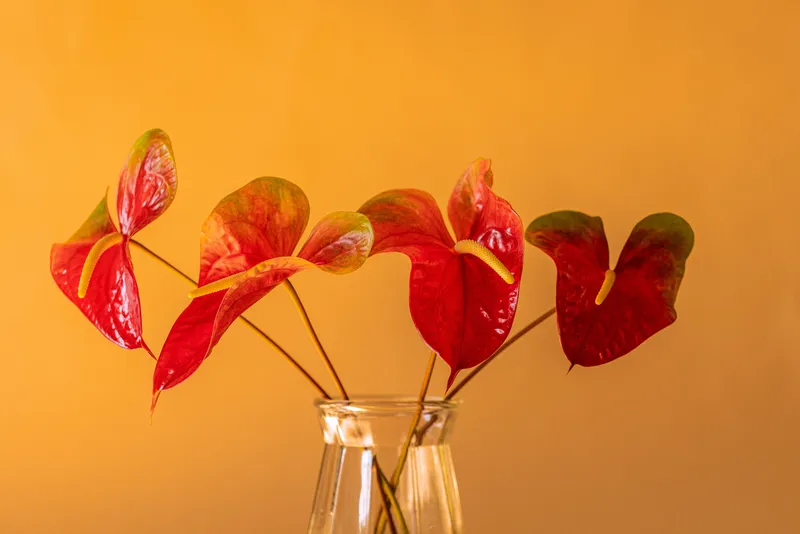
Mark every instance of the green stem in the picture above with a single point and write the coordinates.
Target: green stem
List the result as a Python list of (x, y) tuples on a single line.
[(401, 461), (249, 323), (314, 337)]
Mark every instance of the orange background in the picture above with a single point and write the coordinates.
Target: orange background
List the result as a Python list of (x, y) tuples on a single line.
[(618, 109)]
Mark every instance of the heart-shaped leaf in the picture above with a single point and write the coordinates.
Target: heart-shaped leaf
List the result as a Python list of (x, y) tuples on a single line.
[(462, 308), (147, 183), (604, 314), (262, 220), (247, 227), (339, 244), (112, 299)]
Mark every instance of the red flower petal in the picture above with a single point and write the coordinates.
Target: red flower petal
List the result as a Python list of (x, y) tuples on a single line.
[(472, 199), (340, 243), (202, 324), (112, 300), (461, 307), (407, 221), (641, 300), (262, 220), (490, 303), (188, 342), (147, 183)]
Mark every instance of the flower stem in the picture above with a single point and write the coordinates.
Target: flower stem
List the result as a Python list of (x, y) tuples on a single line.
[(426, 382), (401, 461), (249, 323), (314, 337), (420, 434), (389, 499), (536, 322)]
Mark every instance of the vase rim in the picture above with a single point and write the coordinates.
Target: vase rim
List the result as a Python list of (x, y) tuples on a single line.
[(383, 402)]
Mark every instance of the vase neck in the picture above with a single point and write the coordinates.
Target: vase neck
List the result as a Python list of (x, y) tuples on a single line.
[(385, 422), (366, 439)]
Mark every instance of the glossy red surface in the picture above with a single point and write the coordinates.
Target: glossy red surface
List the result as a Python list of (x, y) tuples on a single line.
[(146, 188), (253, 232), (641, 301), (460, 306), (112, 300), (148, 182)]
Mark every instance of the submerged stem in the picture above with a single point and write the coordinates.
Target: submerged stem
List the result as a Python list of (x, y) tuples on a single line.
[(389, 499), (314, 337), (401, 461), (249, 323)]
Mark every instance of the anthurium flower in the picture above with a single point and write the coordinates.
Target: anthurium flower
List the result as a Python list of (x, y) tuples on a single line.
[(462, 295), (93, 267), (603, 313), (245, 252)]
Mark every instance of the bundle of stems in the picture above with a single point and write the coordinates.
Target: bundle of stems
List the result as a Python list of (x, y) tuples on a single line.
[(387, 485)]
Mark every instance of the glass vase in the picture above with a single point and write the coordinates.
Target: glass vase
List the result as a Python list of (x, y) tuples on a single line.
[(364, 443)]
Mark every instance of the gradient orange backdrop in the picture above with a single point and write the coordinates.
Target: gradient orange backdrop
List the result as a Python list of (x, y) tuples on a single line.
[(618, 109)]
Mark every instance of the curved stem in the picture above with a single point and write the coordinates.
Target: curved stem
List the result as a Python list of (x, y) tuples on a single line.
[(146, 250), (536, 322), (249, 323), (401, 461), (314, 337), (286, 355)]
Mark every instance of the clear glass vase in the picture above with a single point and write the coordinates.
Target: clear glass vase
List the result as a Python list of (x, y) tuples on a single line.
[(364, 442)]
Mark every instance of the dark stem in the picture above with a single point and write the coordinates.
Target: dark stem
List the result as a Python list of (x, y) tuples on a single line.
[(385, 490), (401, 461), (249, 323), (314, 337)]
